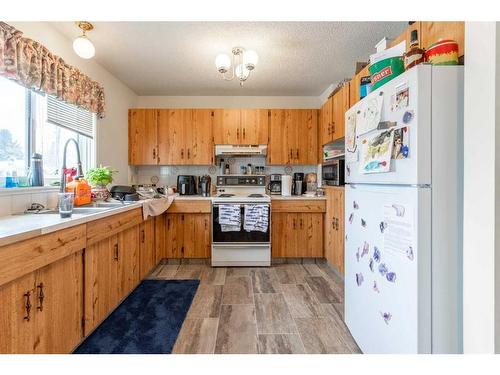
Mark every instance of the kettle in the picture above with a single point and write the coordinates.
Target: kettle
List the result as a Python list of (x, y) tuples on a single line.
[(205, 185)]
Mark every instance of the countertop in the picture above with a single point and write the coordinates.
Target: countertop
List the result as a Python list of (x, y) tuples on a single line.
[(296, 197)]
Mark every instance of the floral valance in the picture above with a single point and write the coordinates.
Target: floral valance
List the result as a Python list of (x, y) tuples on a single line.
[(32, 65)]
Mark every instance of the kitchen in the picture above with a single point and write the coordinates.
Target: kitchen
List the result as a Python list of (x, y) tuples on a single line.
[(247, 209)]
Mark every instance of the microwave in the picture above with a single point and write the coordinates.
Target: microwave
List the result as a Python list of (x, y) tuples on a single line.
[(333, 172)]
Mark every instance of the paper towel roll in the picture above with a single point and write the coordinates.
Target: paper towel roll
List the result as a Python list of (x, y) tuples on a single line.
[(286, 185)]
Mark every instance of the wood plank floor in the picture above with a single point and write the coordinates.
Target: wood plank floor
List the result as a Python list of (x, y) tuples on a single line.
[(284, 309)]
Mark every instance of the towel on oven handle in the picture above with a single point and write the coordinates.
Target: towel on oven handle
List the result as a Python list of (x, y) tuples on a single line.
[(230, 217), (256, 217)]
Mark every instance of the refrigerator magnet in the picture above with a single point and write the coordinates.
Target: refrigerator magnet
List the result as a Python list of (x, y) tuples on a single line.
[(376, 254), (382, 269), (383, 226), (357, 255), (386, 316), (363, 223), (375, 287), (391, 276), (407, 117), (409, 253), (355, 205), (359, 279), (351, 217), (366, 248), (371, 265)]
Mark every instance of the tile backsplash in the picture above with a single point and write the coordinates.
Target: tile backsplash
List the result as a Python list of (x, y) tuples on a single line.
[(17, 200), (167, 175)]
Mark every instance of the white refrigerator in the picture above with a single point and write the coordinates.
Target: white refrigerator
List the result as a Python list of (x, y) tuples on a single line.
[(403, 216)]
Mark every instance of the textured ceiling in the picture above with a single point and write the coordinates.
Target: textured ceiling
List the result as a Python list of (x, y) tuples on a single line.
[(177, 58)]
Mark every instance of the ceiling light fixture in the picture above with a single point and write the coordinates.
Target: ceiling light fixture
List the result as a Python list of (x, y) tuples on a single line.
[(243, 62), (82, 45)]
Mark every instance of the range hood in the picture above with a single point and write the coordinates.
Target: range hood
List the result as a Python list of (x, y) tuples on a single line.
[(237, 150)]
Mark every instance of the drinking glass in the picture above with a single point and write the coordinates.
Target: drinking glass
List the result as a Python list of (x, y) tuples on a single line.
[(66, 204)]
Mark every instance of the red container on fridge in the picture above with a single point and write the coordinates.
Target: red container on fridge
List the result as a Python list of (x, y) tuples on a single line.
[(443, 52)]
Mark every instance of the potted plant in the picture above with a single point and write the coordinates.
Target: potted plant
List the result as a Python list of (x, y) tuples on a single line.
[(99, 178)]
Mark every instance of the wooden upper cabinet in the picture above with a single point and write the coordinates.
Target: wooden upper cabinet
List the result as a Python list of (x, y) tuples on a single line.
[(254, 126), (326, 122), (199, 139), (227, 126), (293, 136), (142, 136), (340, 106), (173, 126)]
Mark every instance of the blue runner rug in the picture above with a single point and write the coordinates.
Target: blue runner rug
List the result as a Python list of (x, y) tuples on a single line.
[(148, 321)]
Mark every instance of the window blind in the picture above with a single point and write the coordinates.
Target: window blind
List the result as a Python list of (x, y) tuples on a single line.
[(70, 116)]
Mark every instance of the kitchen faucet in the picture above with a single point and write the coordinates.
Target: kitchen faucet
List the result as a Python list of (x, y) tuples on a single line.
[(63, 168)]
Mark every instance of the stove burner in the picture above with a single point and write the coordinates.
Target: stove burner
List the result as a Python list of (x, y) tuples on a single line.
[(255, 196), (226, 195)]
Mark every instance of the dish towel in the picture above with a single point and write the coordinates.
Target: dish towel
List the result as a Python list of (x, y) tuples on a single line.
[(230, 217), (156, 206), (256, 217)]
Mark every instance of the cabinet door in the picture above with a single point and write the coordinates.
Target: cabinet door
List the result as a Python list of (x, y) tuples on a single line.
[(254, 126), (227, 126), (200, 150), (310, 235), (329, 225), (59, 305), (172, 125), (326, 121), (341, 105), (338, 254), (174, 235), (307, 139), (101, 281), (196, 231), (147, 258), (431, 32), (142, 136), (277, 152), (285, 229), (17, 326), (128, 260)]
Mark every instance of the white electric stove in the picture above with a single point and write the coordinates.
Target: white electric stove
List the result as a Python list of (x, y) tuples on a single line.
[(241, 247)]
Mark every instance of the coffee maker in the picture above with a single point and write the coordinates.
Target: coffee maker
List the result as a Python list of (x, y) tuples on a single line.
[(205, 185), (298, 184), (275, 184)]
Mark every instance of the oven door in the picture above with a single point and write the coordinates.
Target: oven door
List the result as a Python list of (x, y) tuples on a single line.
[(241, 236)]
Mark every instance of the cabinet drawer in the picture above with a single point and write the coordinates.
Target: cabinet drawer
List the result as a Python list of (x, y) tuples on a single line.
[(298, 205), (190, 206), (100, 229), (23, 257)]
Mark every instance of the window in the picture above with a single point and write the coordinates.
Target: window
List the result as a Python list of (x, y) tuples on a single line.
[(31, 122)]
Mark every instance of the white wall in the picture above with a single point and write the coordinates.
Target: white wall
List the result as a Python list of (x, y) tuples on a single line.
[(111, 132), (481, 189), (229, 102)]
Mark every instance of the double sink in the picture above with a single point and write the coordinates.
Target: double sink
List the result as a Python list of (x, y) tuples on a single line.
[(89, 209)]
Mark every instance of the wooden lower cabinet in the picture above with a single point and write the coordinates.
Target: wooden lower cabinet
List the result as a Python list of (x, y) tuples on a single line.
[(187, 235), (41, 312), (147, 253), (297, 235), (334, 228), (111, 272)]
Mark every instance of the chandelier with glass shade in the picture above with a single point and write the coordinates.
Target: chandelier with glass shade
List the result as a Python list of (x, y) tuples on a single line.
[(239, 66)]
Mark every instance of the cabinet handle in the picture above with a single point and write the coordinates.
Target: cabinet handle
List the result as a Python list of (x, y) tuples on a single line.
[(154, 153), (297, 154), (189, 153), (336, 224), (301, 224), (333, 127), (182, 153), (238, 133), (291, 154), (143, 236), (333, 223), (206, 224), (41, 297), (168, 224), (27, 305), (116, 252), (294, 224), (243, 133), (157, 154)]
